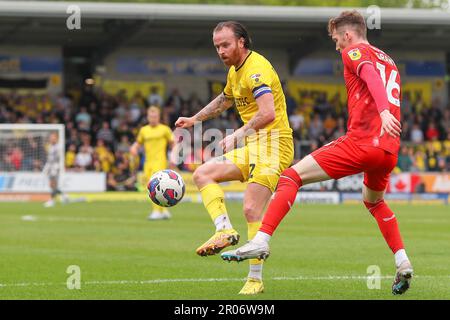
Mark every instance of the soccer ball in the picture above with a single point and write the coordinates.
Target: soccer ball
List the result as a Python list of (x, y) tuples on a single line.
[(166, 188)]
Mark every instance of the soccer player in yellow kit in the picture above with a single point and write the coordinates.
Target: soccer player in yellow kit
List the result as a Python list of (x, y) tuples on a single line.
[(254, 87), (156, 138)]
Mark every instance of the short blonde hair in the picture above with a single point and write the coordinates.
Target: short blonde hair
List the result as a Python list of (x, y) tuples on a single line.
[(153, 109)]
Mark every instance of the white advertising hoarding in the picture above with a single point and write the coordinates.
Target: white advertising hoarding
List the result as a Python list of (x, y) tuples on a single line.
[(36, 182)]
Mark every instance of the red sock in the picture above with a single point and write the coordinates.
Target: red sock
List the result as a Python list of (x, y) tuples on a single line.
[(282, 201), (387, 223)]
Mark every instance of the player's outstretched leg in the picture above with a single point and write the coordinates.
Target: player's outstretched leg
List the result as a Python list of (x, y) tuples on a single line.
[(206, 178), (220, 240), (388, 225), (251, 250), (403, 277), (213, 199), (255, 200), (279, 206)]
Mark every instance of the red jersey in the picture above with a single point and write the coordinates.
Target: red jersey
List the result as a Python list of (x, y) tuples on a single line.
[(364, 121)]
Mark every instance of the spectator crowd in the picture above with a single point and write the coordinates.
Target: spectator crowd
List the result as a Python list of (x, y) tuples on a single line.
[(101, 127)]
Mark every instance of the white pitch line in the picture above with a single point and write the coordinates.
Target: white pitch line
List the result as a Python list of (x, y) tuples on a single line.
[(155, 281), (76, 219), (299, 278)]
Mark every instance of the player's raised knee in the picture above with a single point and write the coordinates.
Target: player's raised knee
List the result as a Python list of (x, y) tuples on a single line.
[(201, 175)]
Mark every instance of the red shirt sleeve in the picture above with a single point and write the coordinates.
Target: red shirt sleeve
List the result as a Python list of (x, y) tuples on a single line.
[(354, 57), (375, 86)]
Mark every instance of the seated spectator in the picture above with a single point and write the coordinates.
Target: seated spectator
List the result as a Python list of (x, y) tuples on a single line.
[(416, 134), (44, 104), (405, 161), (83, 159), (70, 156), (340, 129), (322, 107), (296, 121), (96, 163), (441, 163), (83, 119), (431, 158), (121, 179), (105, 133), (135, 111), (173, 107), (195, 103), (124, 144), (446, 145), (123, 130), (154, 98), (419, 161), (315, 128), (432, 132), (106, 159), (291, 104), (329, 123)]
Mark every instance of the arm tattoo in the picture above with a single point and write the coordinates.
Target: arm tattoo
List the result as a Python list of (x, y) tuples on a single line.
[(257, 122), (214, 108)]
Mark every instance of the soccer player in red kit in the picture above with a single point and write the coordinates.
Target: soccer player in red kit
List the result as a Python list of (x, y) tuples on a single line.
[(370, 145)]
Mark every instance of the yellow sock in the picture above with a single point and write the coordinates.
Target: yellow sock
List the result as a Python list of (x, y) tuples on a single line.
[(157, 208), (252, 229), (214, 200)]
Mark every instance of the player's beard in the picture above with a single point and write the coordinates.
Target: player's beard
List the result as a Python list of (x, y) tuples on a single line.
[(232, 59), (227, 61)]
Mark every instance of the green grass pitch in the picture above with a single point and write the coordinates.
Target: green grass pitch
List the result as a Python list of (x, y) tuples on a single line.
[(319, 252)]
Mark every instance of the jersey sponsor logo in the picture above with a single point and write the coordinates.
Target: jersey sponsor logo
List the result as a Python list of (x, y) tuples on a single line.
[(241, 102), (354, 54)]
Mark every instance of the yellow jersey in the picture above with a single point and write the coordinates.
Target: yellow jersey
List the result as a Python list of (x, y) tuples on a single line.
[(155, 140), (253, 78)]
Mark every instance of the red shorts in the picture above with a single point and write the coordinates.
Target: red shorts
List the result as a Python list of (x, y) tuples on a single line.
[(342, 157)]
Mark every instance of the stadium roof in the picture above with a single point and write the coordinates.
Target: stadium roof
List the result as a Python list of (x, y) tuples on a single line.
[(105, 26), (195, 12)]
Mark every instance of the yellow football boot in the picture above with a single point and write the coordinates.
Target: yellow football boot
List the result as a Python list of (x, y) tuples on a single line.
[(252, 286), (220, 240)]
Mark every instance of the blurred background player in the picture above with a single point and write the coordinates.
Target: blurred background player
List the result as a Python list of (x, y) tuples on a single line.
[(371, 145), (156, 139), (52, 169), (253, 85)]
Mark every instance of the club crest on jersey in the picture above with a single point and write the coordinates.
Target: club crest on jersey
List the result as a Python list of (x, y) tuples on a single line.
[(255, 77), (354, 54)]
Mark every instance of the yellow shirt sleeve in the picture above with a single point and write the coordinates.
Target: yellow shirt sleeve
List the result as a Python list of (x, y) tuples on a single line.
[(227, 90), (169, 135), (140, 136), (259, 80)]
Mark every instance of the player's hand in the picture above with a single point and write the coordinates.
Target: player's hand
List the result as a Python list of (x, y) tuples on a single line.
[(390, 124), (183, 122), (231, 141), (134, 150)]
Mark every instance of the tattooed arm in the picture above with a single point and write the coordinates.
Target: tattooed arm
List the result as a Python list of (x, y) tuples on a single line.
[(262, 118), (212, 110)]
